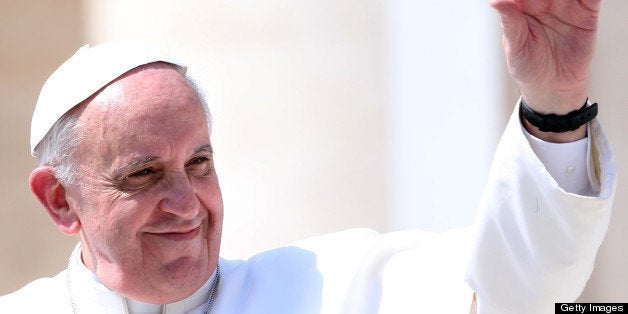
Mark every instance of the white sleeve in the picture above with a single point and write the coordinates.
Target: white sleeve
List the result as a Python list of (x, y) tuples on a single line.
[(566, 162), (536, 235)]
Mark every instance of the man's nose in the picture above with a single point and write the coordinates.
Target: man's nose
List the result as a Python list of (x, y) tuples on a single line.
[(180, 196)]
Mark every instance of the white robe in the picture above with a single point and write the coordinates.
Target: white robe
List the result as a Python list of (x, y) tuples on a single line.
[(533, 244), (536, 245)]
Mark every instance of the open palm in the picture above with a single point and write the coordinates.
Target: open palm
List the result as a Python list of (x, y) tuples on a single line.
[(549, 45)]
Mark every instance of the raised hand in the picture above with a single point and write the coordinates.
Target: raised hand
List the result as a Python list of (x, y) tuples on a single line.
[(549, 45)]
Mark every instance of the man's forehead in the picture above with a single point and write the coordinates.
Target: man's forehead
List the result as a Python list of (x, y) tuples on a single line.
[(85, 73), (145, 83), (121, 125)]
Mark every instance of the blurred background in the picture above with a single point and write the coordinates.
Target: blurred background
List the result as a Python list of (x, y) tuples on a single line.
[(328, 115)]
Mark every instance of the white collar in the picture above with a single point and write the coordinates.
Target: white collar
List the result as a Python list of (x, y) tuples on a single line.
[(86, 286)]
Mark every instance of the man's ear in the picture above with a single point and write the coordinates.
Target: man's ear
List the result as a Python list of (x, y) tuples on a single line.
[(51, 194)]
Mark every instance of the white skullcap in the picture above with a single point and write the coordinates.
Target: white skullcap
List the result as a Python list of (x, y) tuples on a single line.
[(85, 73)]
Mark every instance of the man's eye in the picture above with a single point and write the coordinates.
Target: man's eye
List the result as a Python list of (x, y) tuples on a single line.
[(139, 179), (198, 160), (143, 172), (199, 166)]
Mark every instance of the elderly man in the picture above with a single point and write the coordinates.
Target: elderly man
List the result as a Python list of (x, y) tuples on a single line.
[(122, 139)]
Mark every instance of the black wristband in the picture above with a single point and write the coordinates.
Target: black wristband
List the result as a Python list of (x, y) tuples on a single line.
[(559, 123)]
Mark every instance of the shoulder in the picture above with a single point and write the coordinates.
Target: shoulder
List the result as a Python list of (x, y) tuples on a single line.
[(320, 272), (343, 250), (44, 295), (304, 254)]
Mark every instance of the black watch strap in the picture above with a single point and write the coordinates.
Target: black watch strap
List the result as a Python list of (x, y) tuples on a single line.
[(559, 123)]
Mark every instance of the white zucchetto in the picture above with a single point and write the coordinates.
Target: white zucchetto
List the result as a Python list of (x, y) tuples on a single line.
[(85, 73)]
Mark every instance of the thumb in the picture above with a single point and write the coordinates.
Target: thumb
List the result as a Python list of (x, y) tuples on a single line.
[(513, 21)]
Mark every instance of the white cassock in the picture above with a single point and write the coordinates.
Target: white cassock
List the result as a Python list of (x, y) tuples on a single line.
[(533, 244)]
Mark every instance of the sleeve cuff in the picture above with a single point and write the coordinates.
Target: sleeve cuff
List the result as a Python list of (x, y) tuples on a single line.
[(567, 163)]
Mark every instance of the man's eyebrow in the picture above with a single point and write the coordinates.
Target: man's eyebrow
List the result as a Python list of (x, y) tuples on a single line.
[(138, 162), (205, 149), (135, 163)]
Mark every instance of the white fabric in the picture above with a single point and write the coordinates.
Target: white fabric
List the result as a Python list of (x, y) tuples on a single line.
[(86, 72), (568, 163), (87, 281), (534, 244)]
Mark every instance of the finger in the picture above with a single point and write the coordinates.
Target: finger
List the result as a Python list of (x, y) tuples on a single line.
[(593, 5), (514, 24), (593, 11)]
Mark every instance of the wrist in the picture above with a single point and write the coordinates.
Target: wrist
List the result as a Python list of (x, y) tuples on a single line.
[(556, 99), (557, 128)]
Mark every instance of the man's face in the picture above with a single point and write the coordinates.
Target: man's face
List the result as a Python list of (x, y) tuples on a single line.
[(147, 196)]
